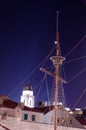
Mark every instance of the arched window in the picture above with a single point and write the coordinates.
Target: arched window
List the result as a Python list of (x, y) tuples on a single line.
[(30, 103)]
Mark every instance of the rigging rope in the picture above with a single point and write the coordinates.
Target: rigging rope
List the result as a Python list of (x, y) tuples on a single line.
[(37, 84), (47, 87), (44, 78), (76, 59), (79, 98), (76, 46), (64, 74), (63, 94), (48, 55), (52, 97), (31, 73), (40, 88), (77, 75)]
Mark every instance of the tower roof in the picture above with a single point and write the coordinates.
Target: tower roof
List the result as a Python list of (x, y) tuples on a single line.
[(28, 87)]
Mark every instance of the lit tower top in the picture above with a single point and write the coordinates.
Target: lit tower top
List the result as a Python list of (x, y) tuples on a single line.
[(27, 96)]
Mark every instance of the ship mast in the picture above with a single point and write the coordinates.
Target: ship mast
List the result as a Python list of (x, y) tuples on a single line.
[(57, 61)]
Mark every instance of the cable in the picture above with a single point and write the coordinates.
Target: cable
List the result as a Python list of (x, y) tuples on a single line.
[(48, 55), (75, 59), (37, 84), (47, 87), (76, 46), (64, 74), (79, 98), (77, 75), (40, 88)]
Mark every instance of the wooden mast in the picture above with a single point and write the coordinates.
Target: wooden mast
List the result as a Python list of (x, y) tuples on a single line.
[(57, 61), (57, 71)]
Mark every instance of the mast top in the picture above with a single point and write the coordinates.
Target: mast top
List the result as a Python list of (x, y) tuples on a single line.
[(57, 59), (57, 21), (57, 37)]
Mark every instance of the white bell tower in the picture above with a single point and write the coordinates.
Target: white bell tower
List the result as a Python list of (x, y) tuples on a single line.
[(27, 96)]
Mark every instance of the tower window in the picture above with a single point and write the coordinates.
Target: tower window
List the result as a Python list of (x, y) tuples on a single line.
[(25, 116), (30, 102), (33, 117)]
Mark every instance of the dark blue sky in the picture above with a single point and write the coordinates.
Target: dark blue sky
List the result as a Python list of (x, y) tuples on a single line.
[(27, 34)]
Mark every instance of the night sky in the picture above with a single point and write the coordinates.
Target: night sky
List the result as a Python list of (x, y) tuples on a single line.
[(27, 35)]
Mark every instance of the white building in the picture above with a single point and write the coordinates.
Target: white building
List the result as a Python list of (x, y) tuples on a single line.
[(27, 96)]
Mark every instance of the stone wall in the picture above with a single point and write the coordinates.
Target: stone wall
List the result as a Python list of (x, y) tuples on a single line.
[(16, 124)]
